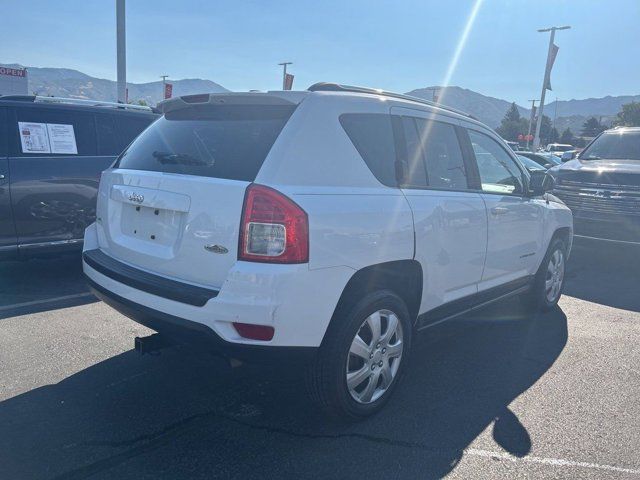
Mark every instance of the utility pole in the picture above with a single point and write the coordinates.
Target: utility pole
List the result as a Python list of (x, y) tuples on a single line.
[(545, 81), (531, 117), (121, 47), (433, 91), (284, 74), (555, 113)]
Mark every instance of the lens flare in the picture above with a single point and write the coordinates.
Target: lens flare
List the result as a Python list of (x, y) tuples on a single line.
[(460, 47)]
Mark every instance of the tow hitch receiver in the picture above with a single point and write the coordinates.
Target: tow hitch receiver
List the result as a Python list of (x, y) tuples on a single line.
[(151, 344)]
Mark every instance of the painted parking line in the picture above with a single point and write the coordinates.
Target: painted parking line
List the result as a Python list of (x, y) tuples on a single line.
[(14, 306), (557, 462)]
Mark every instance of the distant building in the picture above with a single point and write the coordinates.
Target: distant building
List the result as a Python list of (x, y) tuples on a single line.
[(13, 81)]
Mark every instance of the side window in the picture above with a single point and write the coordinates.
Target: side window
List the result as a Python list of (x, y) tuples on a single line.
[(108, 143), (372, 135), (498, 171), (129, 127), (53, 131), (416, 175), (443, 155)]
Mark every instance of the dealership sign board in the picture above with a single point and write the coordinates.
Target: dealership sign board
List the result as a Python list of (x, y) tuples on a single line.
[(13, 81)]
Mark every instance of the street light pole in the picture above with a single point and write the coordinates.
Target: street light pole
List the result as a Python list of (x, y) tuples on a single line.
[(164, 84), (547, 72), (284, 74), (121, 48), (533, 111)]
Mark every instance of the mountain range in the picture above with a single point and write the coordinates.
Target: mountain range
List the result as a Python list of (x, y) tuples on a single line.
[(63, 82), (569, 114)]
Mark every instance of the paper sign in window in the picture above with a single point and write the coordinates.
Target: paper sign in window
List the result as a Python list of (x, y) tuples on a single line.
[(62, 138), (34, 137)]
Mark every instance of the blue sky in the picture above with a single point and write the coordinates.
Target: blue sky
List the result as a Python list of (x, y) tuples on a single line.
[(397, 45)]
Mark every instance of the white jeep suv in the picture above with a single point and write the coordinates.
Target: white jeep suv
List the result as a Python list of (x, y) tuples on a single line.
[(329, 225)]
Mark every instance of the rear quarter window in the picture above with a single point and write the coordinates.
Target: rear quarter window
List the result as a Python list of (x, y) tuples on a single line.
[(221, 141), (372, 135), (83, 128)]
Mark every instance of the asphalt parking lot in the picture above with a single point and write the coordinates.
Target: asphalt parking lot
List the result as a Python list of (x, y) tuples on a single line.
[(496, 395)]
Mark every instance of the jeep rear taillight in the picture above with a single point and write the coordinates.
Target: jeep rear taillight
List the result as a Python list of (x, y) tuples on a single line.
[(274, 229)]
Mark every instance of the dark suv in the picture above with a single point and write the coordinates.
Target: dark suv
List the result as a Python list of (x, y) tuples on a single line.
[(52, 152), (602, 187)]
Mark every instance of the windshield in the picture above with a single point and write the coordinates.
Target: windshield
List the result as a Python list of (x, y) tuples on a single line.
[(619, 145), (529, 164), (228, 142)]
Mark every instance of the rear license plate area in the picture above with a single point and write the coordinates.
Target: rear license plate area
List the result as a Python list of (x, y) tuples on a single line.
[(154, 225)]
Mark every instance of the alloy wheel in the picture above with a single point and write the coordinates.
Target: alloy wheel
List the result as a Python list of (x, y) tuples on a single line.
[(374, 356), (554, 276)]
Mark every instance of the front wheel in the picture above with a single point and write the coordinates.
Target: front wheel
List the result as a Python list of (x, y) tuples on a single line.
[(362, 358), (549, 281)]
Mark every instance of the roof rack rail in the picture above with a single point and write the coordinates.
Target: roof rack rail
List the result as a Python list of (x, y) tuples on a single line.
[(75, 101), (336, 87)]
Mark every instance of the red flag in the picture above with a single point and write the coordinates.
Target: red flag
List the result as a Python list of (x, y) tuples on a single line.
[(168, 90), (288, 81)]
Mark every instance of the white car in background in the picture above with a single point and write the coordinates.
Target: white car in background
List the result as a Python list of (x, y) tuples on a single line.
[(558, 147), (331, 224)]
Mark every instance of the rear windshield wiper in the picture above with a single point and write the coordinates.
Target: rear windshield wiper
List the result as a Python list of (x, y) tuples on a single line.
[(178, 159)]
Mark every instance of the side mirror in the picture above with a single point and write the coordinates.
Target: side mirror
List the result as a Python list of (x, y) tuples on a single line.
[(540, 183)]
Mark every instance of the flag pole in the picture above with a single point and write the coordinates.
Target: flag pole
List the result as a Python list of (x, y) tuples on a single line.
[(545, 81)]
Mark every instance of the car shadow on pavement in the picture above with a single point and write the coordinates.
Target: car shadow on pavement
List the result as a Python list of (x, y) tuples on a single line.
[(604, 273), (42, 284), (183, 415)]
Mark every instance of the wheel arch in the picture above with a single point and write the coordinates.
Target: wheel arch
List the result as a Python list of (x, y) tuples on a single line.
[(564, 234), (402, 277)]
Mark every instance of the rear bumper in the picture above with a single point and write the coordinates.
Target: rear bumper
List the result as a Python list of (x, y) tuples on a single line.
[(296, 301), (198, 335)]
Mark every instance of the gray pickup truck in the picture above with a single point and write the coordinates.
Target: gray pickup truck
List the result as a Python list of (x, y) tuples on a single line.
[(601, 186), (52, 152)]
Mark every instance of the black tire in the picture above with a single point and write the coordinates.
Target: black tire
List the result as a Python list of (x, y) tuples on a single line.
[(536, 299), (327, 383)]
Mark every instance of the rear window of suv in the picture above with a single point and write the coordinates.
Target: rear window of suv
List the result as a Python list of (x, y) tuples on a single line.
[(222, 141)]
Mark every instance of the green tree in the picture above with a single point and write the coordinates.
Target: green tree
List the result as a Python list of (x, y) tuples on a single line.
[(592, 127), (579, 142), (567, 136), (554, 135), (629, 116), (512, 124)]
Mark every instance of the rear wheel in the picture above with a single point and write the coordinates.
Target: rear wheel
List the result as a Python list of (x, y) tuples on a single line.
[(549, 281), (362, 358)]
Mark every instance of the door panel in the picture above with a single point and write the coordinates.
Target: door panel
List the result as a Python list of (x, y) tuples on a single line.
[(515, 221), (451, 242), (54, 198), (7, 226), (515, 237), (450, 221)]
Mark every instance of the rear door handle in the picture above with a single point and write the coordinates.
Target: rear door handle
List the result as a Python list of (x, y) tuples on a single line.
[(1, 176), (499, 210)]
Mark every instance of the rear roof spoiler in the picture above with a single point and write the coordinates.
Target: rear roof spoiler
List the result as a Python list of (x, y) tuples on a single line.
[(231, 98)]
